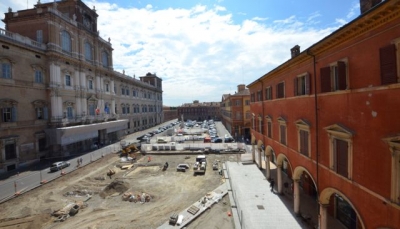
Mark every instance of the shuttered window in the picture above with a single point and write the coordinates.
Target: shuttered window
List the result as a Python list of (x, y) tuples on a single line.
[(10, 151), (259, 96), (280, 90), (283, 134), (303, 142), (334, 78), (325, 79), (342, 79), (268, 93), (341, 157), (388, 64), (302, 85), (269, 130)]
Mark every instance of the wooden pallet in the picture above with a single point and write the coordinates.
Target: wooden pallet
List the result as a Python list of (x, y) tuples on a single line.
[(193, 210)]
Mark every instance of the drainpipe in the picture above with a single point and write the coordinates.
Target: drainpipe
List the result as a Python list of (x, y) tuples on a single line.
[(316, 125), (262, 119)]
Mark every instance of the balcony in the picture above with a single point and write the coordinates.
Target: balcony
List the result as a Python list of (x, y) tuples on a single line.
[(21, 39)]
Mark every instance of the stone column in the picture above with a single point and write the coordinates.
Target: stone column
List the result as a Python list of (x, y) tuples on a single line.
[(323, 217), (253, 152), (77, 81), (296, 196), (112, 109), (60, 111), (78, 106), (112, 87), (84, 106), (98, 88), (279, 181), (83, 80), (53, 105), (267, 168)]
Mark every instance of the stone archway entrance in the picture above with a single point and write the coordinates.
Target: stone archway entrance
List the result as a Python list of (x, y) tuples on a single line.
[(305, 196), (337, 209)]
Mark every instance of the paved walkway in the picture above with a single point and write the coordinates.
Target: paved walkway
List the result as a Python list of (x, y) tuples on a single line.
[(253, 204)]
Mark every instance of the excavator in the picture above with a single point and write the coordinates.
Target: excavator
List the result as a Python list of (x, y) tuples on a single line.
[(129, 149)]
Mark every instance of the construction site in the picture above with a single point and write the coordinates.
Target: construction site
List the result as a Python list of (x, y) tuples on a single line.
[(112, 192)]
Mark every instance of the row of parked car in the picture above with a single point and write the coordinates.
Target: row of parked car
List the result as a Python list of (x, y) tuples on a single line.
[(146, 137)]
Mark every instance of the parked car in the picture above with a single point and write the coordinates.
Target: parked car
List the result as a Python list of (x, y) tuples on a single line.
[(229, 140), (56, 166), (182, 167), (216, 140)]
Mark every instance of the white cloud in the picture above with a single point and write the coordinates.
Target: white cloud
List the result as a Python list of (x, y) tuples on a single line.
[(354, 10), (200, 53)]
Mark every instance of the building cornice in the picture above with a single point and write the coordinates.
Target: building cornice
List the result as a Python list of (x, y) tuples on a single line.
[(379, 16)]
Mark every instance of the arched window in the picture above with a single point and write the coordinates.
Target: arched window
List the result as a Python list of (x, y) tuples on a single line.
[(88, 51), (104, 59), (65, 41)]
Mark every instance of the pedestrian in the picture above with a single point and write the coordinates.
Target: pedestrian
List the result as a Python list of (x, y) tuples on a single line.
[(80, 160), (271, 185), (77, 162)]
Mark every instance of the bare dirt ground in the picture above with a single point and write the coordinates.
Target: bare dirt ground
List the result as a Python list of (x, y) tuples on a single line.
[(170, 191)]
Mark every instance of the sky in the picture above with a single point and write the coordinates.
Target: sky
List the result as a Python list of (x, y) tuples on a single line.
[(202, 49)]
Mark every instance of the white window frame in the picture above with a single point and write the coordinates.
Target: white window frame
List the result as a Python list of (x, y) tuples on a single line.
[(88, 51), (39, 36), (303, 125), (66, 44), (282, 122), (339, 132), (68, 80), (394, 149), (334, 75), (268, 120), (6, 69), (90, 84)]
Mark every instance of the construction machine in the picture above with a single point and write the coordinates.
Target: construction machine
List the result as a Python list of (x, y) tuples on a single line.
[(129, 149)]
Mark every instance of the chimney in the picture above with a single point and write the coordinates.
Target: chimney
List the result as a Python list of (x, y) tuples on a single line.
[(366, 5), (295, 51), (241, 87)]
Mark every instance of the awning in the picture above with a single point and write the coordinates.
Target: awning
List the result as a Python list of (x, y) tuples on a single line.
[(71, 134)]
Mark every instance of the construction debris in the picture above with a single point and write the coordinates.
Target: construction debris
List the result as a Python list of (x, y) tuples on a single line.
[(131, 197)]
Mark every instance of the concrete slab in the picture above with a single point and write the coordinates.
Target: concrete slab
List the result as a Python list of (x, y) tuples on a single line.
[(211, 198)]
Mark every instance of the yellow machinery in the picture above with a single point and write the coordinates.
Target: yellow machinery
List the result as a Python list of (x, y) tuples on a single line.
[(129, 149)]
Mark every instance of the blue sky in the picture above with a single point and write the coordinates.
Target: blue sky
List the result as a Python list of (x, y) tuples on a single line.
[(205, 48)]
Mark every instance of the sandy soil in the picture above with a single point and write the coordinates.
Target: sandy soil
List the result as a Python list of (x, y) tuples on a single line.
[(170, 191)]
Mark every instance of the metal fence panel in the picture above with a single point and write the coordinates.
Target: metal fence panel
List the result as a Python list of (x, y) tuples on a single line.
[(7, 190)]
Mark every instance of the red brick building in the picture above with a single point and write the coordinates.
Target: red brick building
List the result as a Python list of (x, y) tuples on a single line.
[(328, 119), (199, 111), (235, 112), (170, 113)]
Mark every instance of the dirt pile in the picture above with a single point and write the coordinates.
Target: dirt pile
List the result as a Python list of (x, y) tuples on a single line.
[(113, 188)]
